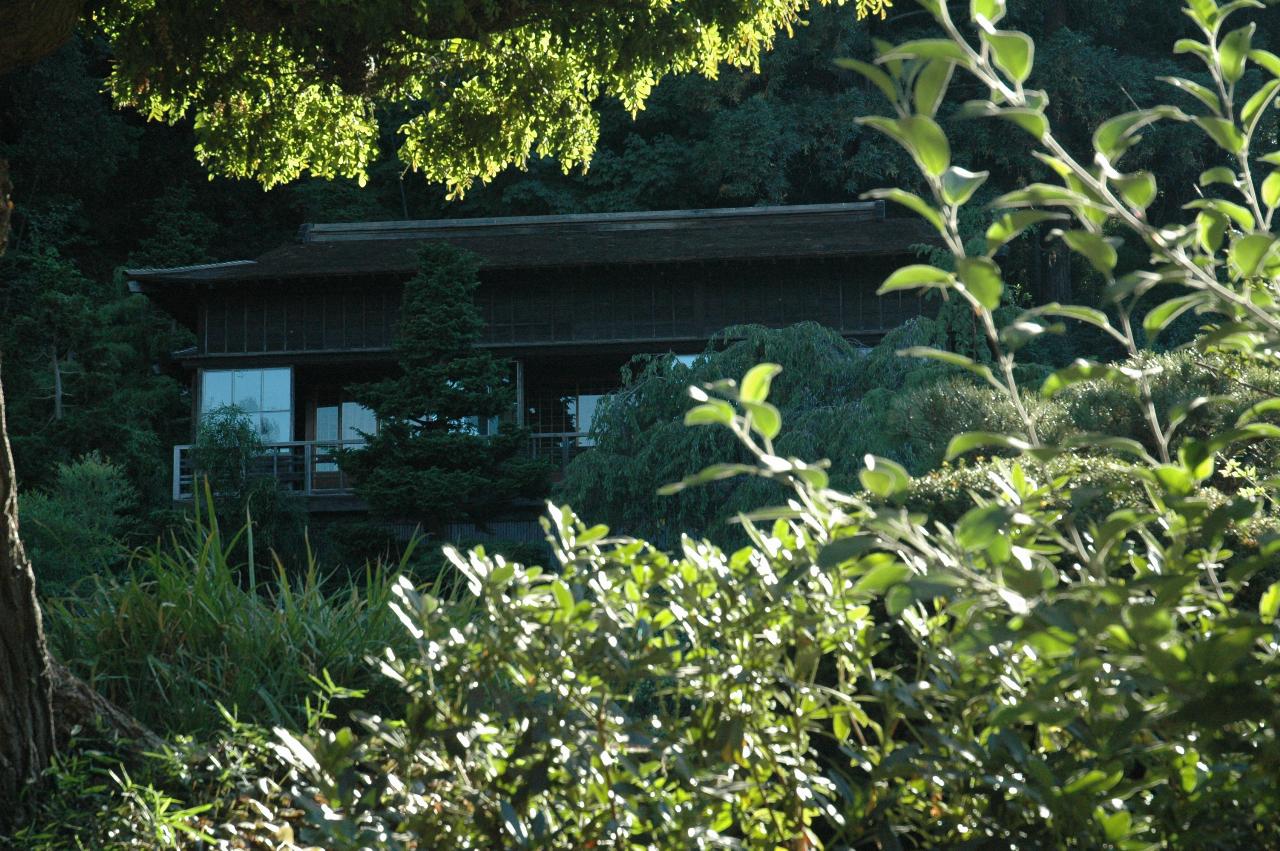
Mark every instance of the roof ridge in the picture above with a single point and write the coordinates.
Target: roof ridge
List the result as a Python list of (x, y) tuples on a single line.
[(406, 228), (197, 267)]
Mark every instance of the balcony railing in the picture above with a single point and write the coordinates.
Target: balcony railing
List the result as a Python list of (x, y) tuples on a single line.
[(307, 467), (310, 467)]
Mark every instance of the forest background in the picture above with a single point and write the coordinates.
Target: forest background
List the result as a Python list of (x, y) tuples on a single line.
[(102, 189)]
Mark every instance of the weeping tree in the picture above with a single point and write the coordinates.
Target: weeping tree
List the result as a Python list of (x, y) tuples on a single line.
[(277, 90)]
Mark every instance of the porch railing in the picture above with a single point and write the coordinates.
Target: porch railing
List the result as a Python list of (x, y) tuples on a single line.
[(307, 467), (310, 467)]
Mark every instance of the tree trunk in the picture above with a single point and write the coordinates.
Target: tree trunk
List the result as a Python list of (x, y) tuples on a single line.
[(6, 204), (57, 383), (26, 687), (32, 29)]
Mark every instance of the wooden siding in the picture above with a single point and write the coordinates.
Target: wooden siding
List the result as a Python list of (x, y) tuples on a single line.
[(551, 307), (247, 321), (681, 303)]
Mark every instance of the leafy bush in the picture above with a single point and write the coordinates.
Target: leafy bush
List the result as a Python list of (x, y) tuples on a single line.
[(228, 462), (1079, 678), (189, 629), (77, 528), (1105, 677)]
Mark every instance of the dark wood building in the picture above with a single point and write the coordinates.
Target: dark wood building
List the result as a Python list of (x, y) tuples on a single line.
[(569, 299)]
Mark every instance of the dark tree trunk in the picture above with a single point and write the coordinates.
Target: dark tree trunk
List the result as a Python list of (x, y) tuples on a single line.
[(6, 204), (26, 687), (32, 29)]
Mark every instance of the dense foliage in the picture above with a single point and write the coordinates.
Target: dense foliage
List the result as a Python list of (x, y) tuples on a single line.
[(435, 457), (477, 86), (1065, 637)]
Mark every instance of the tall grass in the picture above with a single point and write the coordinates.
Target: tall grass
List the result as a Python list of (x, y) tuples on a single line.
[(187, 629)]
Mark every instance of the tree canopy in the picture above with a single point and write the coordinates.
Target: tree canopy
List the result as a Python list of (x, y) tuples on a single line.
[(279, 89)]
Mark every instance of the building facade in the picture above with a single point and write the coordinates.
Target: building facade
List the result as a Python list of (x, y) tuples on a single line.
[(569, 299)]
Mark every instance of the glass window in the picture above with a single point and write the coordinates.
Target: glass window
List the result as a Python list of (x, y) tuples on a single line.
[(215, 389), (327, 422), (357, 421), (586, 416), (265, 394)]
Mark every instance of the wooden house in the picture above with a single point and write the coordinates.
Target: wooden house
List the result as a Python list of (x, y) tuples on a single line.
[(569, 299)]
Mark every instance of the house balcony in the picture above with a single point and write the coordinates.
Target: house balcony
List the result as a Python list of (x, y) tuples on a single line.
[(310, 469)]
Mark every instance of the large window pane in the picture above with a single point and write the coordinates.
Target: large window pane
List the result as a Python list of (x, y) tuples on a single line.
[(277, 394), (215, 390), (357, 421), (265, 394), (248, 390), (327, 422), (276, 427)]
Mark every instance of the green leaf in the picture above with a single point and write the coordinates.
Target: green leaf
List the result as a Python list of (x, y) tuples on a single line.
[(765, 418), (1116, 135), (756, 383), (564, 597), (1218, 174), (1100, 253), (1234, 51), (1079, 371), (714, 473), (991, 10), (1238, 214), (914, 277), (951, 358), (1204, 94), (1267, 60), (959, 184), (843, 549), (1013, 53), (712, 412), (884, 478), (1138, 189), (1211, 230), (1255, 106), (981, 277), (912, 202), (1188, 45), (1093, 782), (1042, 195), (931, 85), (1266, 406), (1222, 131), (927, 48), (979, 527), (877, 76), (881, 578), (1010, 225), (971, 440), (928, 143), (1248, 252), (1271, 190), (1159, 317), (1269, 605), (1088, 315)]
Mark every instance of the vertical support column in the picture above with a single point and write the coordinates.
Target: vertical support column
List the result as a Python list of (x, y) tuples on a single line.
[(177, 474), (520, 392), (308, 462)]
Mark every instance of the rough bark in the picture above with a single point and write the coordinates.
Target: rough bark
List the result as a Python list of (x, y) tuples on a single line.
[(77, 705), (32, 29), (6, 204), (26, 686)]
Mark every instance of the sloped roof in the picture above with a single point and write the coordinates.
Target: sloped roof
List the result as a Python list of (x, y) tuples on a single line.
[(603, 239)]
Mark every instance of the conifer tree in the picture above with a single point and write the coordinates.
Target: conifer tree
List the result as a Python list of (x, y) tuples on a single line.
[(431, 460)]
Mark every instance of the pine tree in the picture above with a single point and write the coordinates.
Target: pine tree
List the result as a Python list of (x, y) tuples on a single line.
[(429, 461)]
